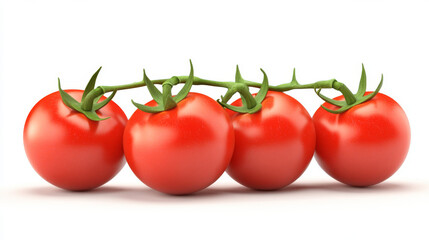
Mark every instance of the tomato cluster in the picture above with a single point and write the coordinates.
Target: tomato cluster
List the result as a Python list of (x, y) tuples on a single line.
[(187, 148)]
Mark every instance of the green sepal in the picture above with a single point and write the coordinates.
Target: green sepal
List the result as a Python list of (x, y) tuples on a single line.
[(263, 90), (92, 115), (148, 109), (154, 92), (72, 103), (91, 84), (156, 95), (241, 109), (329, 100), (239, 79), (68, 100), (360, 98), (187, 87), (362, 83), (96, 100), (97, 105)]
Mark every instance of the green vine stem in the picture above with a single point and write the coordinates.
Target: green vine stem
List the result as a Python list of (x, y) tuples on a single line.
[(332, 83), (89, 103)]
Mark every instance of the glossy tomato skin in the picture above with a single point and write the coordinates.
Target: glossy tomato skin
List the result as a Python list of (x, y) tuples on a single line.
[(364, 145), (70, 151), (182, 150), (274, 146)]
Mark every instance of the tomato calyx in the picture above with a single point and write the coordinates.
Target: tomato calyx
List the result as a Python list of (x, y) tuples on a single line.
[(165, 100), (250, 104), (351, 99), (89, 110)]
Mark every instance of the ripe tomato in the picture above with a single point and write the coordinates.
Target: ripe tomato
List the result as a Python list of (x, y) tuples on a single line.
[(273, 146), (70, 151), (364, 145), (182, 150)]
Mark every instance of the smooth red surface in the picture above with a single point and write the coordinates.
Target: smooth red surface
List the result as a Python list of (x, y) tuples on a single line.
[(182, 150), (364, 145), (70, 151), (274, 146)]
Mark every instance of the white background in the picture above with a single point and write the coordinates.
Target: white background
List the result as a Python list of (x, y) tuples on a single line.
[(43, 40)]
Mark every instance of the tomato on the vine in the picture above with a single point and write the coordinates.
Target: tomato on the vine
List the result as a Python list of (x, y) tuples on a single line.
[(181, 150), (364, 145), (273, 146), (69, 150)]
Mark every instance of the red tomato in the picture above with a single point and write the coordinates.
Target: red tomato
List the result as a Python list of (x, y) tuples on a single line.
[(364, 145), (182, 150), (70, 151), (273, 146)]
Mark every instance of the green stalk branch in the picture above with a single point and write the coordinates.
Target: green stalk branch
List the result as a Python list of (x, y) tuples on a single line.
[(90, 99), (332, 83)]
